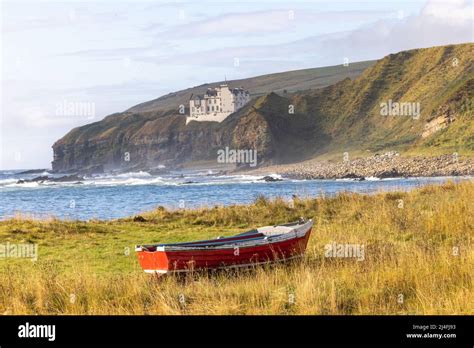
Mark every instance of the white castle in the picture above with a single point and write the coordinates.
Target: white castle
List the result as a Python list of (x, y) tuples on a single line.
[(217, 104)]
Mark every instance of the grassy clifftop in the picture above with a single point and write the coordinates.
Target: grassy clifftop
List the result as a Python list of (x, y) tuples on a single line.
[(439, 80), (417, 259)]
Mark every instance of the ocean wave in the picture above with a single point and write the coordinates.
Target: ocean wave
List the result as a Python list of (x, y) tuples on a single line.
[(118, 181), (374, 178), (26, 184), (8, 182), (144, 178), (140, 174)]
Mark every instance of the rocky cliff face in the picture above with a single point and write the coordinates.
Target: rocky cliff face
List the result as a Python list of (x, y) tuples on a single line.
[(132, 141), (291, 127)]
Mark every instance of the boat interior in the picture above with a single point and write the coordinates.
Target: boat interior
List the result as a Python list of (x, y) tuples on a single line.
[(274, 230), (252, 235)]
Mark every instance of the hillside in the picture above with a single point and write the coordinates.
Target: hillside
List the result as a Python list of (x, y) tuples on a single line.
[(289, 81), (350, 112), (345, 116)]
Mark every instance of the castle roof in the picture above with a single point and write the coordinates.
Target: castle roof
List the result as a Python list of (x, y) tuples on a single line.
[(238, 90), (212, 92)]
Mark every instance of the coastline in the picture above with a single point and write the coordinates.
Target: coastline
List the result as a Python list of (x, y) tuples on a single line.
[(119, 196), (387, 165)]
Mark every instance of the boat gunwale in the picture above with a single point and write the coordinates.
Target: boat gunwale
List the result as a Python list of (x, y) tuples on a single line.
[(241, 244)]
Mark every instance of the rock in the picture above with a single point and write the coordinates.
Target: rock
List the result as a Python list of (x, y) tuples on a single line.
[(43, 178), (33, 171), (269, 178), (38, 179), (94, 169), (353, 176), (437, 124), (67, 178), (389, 174), (139, 218)]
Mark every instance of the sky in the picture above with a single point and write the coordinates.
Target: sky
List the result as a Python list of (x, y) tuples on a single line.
[(69, 63)]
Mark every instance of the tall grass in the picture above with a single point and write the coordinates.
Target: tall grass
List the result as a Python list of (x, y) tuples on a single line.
[(418, 259)]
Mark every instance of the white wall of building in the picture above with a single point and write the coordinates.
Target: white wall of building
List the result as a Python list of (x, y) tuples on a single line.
[(217, 104)]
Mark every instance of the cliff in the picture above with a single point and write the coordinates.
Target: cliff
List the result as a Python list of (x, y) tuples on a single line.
[(298, 123)]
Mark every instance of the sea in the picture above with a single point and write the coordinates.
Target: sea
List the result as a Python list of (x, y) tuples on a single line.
[(112, 196)]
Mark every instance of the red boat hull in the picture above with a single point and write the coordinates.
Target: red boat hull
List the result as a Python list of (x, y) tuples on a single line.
[(164, 261)]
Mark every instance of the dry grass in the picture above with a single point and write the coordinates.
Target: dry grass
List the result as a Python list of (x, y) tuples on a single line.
[(410, 261)]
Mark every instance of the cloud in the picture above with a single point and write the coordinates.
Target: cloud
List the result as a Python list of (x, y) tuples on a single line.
[(259, 23), (239, 26), (453, 11), (53, 15), (439, 23)]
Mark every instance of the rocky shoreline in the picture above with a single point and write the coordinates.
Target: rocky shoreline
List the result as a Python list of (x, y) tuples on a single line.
[(388, 165)]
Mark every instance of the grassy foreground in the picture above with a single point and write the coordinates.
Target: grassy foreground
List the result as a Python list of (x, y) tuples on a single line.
[(418, 259)]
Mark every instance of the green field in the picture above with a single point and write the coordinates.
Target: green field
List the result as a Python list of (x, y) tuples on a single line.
[(418, 258)]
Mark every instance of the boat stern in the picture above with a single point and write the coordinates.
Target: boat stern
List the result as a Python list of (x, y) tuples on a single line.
[(152, 260)]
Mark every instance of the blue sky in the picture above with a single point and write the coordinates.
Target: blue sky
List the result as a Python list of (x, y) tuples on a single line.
[(113, 54)]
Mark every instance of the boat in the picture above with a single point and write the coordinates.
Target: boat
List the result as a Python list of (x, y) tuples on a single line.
[(259, 246)]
